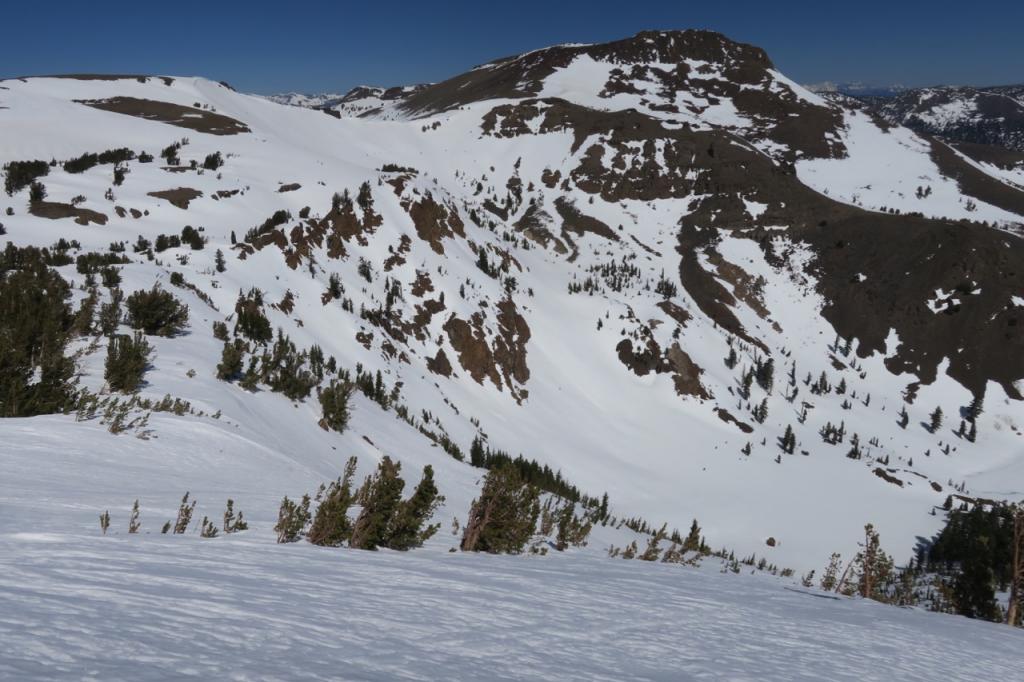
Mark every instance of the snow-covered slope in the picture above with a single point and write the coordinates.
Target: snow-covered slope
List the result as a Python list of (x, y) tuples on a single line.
[(641, 208), (156, 608)]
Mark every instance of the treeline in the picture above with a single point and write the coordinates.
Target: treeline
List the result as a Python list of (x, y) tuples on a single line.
[(503, 519), (978, 553), (541, 476), (977, 556)]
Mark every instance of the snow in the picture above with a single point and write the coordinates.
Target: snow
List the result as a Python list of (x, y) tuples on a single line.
[(151, 608), (75, 604), (883, 170), (658, 455)]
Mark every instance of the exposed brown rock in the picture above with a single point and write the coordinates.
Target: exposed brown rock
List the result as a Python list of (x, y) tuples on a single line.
[(200, 120), (179, 197)]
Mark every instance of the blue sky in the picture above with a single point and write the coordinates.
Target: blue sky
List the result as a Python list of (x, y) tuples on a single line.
[(269, 47)]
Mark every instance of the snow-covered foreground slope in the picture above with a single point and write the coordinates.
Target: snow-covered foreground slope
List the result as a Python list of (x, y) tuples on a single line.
[(78, 605), (243, 608)]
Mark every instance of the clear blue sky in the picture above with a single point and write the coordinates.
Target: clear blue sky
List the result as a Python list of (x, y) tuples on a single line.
[(278, 46)]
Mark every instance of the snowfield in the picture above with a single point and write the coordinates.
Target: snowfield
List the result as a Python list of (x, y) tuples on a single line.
[(555, 384), (158, 608)]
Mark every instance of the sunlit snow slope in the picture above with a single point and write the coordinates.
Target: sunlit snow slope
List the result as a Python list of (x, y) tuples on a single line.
[(640, 206)]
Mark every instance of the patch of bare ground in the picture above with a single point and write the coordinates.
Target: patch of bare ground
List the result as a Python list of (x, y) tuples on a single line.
[(397, 258), (200, 120), (434, 221), (179, 197), (55, 210), (470, 342), (290, 187), (533, 225), (439, 364), (573, 220)]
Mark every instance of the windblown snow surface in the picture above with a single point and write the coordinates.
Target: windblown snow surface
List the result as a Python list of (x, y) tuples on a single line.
[(77, 605)]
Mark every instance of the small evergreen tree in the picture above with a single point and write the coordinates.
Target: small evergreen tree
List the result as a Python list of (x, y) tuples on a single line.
[(334, 401), (788, 440), (292, 520), (383, 494), (133, 521), (184, 515), (935, 422), (213, 161), (230, 366), (156, 312), (410, 527), (503, 518), (36, 192), (234, 523), (207, 529), (331, 525), (904, 417), (127, 358)]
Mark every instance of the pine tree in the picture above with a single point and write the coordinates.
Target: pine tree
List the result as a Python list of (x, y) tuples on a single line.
[(233, 523), (334, 401), (156, 312), (184, 515), (331, 526), (133, 521), (653, 552), (292, 519), (105, 521), (830, 577), (692, 543), (219, 262), (788, 440), (935, 420), (974, 587), (761, 412), (127, 359), (207, 529), (382, 498), (503, 518), (407, 530), (904, 417), (872, 566), (477, 452), (230, 366), (1013, 608)]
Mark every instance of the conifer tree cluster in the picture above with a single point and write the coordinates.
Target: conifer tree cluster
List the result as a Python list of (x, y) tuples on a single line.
[(35, 327), (384, 519), (530, 471)]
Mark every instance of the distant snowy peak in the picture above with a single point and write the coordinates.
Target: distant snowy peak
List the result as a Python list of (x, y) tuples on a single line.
[(975, 115), (856, 89), (298, 99), (370, 101)]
